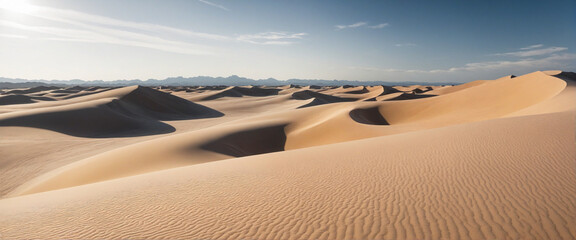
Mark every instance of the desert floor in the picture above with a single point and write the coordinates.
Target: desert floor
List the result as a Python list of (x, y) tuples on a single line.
[(489, 159)]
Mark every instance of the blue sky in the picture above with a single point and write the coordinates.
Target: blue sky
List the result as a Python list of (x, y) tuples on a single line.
[(362, 40)]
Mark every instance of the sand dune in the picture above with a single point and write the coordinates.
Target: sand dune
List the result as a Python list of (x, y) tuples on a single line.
[(93, 119), (163, 106), (330, 123), (368, 116), (484, 101), (164, 153), (490, 159), (406, 96), (15, 99), (364, 93), (237, 92), (317, 98), (86, 92), (453, 194), (135, 113), (30, 90)]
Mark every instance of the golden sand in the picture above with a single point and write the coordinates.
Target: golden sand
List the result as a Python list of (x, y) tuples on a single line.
[(490, 159)]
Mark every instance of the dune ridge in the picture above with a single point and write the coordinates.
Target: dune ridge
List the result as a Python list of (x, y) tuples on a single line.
[(236, 92), (330, 126), (351, 200), (490, 159), (134, 113)]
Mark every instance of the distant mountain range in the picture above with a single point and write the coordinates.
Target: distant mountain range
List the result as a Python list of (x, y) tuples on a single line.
[(199, 81)]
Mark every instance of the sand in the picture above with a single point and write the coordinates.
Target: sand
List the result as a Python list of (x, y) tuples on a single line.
[(490, 159)]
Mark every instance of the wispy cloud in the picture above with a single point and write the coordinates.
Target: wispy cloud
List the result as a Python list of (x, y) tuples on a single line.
[(272, 38), (532, 47), (354, 25), (534, 50), (381, 25), (405, 45), (111, 36), (13, 36), (75, 26), (552, 61), (363, 25), (214, 5), (82, 19), (82, 27)]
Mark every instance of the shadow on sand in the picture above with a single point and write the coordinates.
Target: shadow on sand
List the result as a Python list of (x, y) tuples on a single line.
[(137, 113)]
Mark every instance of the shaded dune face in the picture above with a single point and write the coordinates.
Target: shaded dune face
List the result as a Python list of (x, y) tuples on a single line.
[(360, 91), (318, 98), (15, 99), (164, 106), (31, 90), (257, 91), (212, 88), (422, 89), (567, 76), (388, 90), (240, 92), (137, 113), (368, 116), (393, 94), (186, 149), (94, 122), (410, 96), (249, 142), (450, 163)]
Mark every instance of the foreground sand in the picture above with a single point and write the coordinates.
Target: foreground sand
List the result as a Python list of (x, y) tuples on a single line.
[(484, 160)]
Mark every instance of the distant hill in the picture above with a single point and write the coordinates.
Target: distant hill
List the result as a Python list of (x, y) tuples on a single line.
[(198, 81)]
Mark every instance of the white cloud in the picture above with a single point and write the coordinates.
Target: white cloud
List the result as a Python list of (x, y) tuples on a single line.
[(553, 61), (532, 47), (111, 36), (381, 25), (214, 5), (405, 45), (13, 36), (531, 51), (88, 28), (354, 25), (80, 19), (271, 38), (533, 58), (83, 27), (362, 24)]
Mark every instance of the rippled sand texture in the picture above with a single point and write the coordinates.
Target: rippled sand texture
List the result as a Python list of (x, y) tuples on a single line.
[(492, 159)]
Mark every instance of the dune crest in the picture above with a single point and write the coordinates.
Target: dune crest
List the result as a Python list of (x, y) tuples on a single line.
[(490, 159), (136, 112)]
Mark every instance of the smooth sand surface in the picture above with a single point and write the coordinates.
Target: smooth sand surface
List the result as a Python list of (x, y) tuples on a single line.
[(490, 159)]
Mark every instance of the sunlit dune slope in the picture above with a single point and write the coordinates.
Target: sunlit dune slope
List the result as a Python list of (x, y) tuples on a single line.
[(483, 180), (491, 159), (304, 128)]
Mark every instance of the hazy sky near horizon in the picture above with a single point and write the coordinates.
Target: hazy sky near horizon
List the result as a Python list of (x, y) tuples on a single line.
[(393, 40)]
